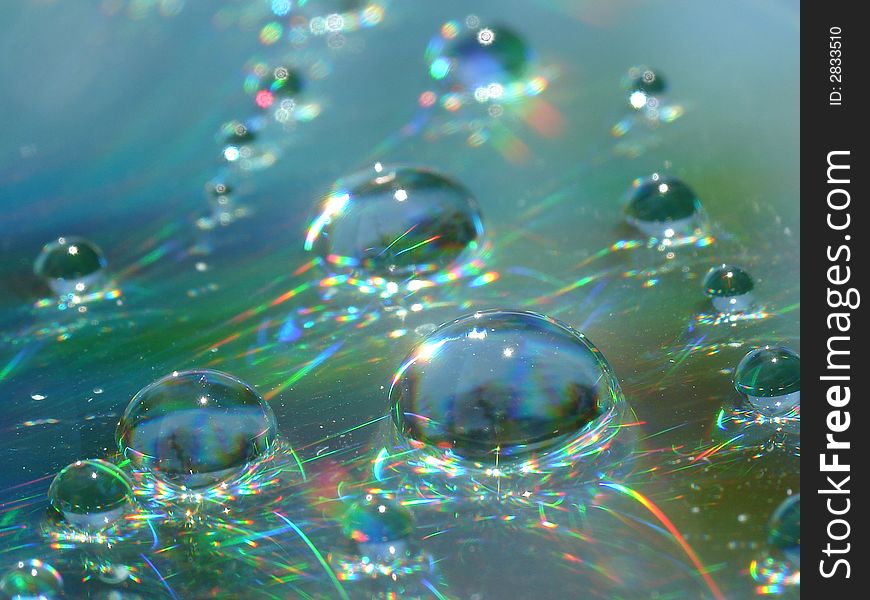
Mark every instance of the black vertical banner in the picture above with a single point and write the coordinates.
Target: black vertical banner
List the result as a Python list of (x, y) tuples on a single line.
[(835, 258)]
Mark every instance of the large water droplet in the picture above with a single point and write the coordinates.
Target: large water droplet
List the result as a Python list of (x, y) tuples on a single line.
[(729, 288), (481, 58), (501, 382), (196, 428), (771, 378), (784, 529), (31, 580), (90, 493), (71, 265), (663, 207), (396, 224)]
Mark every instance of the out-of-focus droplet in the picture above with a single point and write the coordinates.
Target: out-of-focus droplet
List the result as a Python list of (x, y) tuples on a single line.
[(770, 377), (91, 494), (663, 207), (381, 528), (71, 265), (729, 288), (396, 224), (380, 541), (643, 87), (269, 85), (784, 528), (478, 59), (501, 382), (220, 199), (31, 580), (196, 428)]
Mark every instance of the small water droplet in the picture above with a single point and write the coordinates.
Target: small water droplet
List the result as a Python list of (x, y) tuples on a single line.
[(478, 59), (91, 494), (32, 579), (381, 542), (271, 84), (770, 377), (643, 87), (196, 428), (784, 528), (663, 207), (71, 265), (729, 288)]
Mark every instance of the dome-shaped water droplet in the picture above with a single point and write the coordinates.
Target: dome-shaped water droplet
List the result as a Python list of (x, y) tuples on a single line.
[(196, 428), (380, 543), (729, 288), (501, 382), (31, 580), (663, 207), (478, 59), (90, 493), (643, 84), (784, 528), (396, 224), (71, 265), (771, 378), (380, 528)]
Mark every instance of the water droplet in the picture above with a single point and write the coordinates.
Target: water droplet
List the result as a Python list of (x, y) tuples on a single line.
[(478, 59), (91, 493), (501, 382), (400, 223), (379, 527), (71, 265), (784, 528), (220, 198), (729, 288), (380, 534), (663, 207), (270, 85), (32, 580), (771, 378), (196, 428), (643, 86)]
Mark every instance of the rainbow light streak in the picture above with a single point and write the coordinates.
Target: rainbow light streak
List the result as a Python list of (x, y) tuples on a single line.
[(333, 206), (160, 577), (675, 533), (317, 554), (304, 370)]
